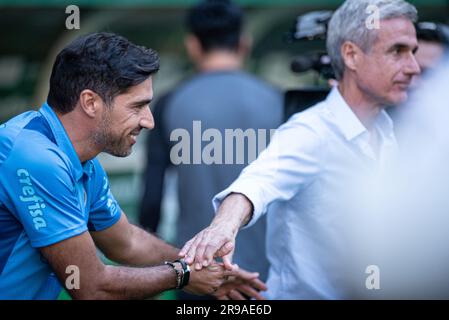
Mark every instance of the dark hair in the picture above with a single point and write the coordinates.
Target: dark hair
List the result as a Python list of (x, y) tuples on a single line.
[(433, 32), (105, 63), (216, 23)]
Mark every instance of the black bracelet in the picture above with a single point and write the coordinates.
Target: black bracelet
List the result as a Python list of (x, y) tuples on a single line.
[(186, 273), (179, 276)]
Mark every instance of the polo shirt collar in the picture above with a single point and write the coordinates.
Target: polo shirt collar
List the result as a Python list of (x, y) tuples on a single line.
[(63, 140)]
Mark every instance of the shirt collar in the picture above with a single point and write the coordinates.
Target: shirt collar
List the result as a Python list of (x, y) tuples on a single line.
[(385, 124), (63, 141), (347, 121)]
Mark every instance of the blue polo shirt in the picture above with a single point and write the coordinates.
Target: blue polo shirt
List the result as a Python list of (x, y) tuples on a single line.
[(46, 195)]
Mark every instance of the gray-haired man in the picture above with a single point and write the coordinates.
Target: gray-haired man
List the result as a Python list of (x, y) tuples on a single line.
[(312, 155)]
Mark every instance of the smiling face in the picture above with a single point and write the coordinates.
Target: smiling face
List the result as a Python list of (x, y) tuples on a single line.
[(121, 123), (385, 71)]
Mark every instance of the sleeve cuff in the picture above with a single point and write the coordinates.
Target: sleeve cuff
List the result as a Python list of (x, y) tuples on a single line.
[(66, 234), (250, 191), (100, 226)]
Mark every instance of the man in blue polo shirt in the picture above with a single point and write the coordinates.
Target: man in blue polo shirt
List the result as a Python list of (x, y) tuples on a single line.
[(55, 201)]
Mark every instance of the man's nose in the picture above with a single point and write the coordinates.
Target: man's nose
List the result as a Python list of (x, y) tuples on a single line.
[(412, 67), (147, 120)]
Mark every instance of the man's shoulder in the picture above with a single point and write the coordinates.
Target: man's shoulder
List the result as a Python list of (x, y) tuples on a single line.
[(34, 148), (232, 95), (21, 134), (252, 80), (312, 124), (224, 80), (313, 116), (30, 151)]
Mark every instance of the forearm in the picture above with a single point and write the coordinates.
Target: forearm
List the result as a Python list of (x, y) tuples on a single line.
[(128, 283), (236, 211), (99, 281), (147, 249)]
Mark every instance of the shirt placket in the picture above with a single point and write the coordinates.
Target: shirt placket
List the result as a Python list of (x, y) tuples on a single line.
[(362, 143)]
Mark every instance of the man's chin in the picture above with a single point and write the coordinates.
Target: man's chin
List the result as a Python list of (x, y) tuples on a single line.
[(120, 153)]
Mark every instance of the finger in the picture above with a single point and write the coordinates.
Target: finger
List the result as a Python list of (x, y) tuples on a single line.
[(246, 275), (227, 261), (192, 254), (191, 251), (235, 295), (224, 297), (200, 260), (234, 272), (250, 292), (185, 249), (216, 248), (225, 249), (258, 284), (209, 252)]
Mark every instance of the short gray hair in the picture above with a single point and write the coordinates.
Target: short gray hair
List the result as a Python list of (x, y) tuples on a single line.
[(348, 23)]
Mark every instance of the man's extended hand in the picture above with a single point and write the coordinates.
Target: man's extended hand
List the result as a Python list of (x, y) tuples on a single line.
[(218, 240), (214, 241), (242, 286)]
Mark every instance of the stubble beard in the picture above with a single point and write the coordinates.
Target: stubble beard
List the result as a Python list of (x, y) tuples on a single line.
[(105, 140)]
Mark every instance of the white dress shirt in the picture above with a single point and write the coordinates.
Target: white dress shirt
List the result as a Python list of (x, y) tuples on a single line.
[(297, 180)]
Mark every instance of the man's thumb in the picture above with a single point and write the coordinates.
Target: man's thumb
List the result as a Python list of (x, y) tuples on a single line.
[(225, 249)]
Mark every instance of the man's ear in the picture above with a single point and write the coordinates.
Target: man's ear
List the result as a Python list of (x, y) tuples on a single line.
[(91, 103), (351, 55), (193, 47)]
